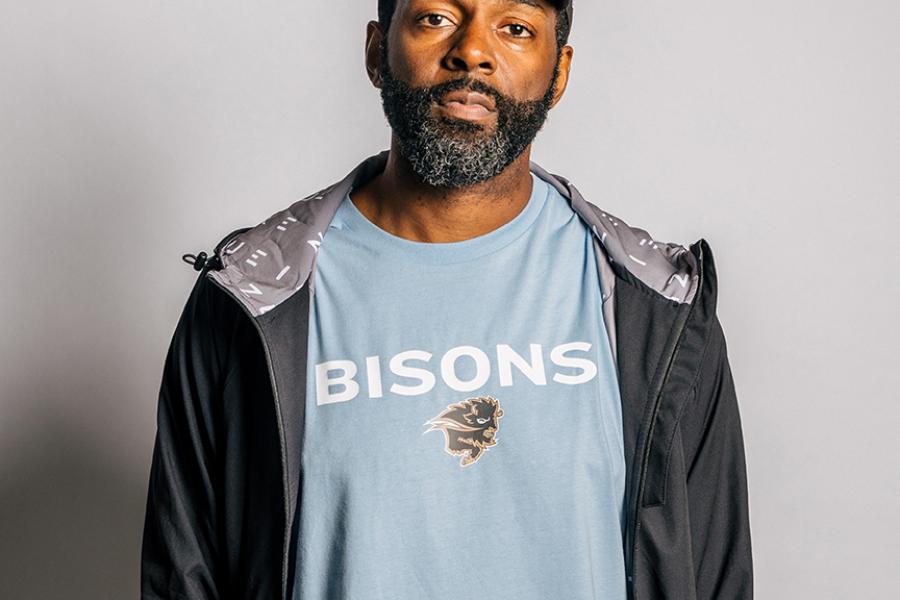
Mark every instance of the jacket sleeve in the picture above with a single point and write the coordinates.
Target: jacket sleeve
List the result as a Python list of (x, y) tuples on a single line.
[(180, 553), (717, 481)]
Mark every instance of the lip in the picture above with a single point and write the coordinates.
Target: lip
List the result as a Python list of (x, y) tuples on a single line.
[(467, 98), (468, 106), (467, 112)]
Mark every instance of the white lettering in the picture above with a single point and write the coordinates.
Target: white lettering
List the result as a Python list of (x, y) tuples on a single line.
[(559, 358), (424, 378), (323, 383), (423, 375), (506, 357), (482, 368), (373, 372)]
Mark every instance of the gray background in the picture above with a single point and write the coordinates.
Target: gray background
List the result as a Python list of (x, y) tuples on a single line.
[(132, 132)]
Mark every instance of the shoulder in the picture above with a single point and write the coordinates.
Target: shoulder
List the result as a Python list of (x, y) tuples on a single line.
[(264, 265), (669, 269)]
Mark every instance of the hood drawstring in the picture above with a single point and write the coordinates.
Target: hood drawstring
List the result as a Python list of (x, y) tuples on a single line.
[(201, 261), (204, 261)]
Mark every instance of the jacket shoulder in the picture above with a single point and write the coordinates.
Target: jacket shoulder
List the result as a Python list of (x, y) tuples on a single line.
[(264, 265), (668, 268)]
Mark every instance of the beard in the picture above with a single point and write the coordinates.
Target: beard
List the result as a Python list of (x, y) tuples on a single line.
[(455, 153)]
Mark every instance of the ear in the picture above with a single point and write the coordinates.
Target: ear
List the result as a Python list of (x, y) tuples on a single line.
[(374, 37), (562, 79)]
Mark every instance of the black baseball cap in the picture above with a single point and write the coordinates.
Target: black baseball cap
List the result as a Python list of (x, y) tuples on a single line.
[(565, 6)]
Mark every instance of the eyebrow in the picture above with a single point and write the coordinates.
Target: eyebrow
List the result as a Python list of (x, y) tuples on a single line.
[(533, 3)]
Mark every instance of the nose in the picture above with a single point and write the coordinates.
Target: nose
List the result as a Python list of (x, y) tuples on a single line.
[(471, 49)]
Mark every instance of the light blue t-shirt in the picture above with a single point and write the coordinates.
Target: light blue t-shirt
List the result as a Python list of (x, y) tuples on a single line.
[(463, 432)]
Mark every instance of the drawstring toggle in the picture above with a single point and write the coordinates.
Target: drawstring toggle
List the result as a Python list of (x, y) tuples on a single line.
[(199, 262)]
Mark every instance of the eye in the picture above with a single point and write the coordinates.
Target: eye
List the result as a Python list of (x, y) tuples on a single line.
[(431, 18), (517, 29), (482, 421)]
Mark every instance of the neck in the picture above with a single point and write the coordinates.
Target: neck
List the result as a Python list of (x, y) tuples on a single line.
[(399, 202)]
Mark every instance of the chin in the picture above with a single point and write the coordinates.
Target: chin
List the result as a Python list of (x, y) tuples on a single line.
[(462, 127)]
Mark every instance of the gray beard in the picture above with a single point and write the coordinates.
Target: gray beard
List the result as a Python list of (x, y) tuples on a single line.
[(453, 153), (443, 160)]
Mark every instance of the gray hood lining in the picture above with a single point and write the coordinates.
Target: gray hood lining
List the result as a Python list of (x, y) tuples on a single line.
[(265, 265)]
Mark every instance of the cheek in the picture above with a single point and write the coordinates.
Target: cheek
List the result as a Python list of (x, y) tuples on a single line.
[(540, 79), (522, 77), (418, 66)]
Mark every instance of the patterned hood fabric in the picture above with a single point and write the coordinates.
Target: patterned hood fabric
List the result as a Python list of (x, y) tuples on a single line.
[(263, 266)]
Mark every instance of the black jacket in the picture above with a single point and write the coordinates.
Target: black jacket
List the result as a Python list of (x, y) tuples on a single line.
[(222, 507)]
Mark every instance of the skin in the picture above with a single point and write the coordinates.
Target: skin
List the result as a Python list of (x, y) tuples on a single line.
[(475, 39)]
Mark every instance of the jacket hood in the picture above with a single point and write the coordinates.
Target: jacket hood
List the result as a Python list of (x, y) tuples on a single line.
[(265, 265)]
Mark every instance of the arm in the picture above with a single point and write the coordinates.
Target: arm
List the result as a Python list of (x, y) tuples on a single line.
[(717, 481), (180, 549)]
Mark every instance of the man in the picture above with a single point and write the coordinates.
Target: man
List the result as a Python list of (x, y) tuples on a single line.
[(448, 375)]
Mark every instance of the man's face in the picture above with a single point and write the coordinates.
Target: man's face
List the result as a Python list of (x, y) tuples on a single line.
[(505, 51)]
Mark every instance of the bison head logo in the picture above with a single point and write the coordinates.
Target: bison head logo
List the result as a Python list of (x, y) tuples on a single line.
[(470, 427)]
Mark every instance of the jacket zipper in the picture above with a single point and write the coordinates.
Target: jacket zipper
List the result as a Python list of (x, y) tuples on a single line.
[(284, 468), (680, 323)]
